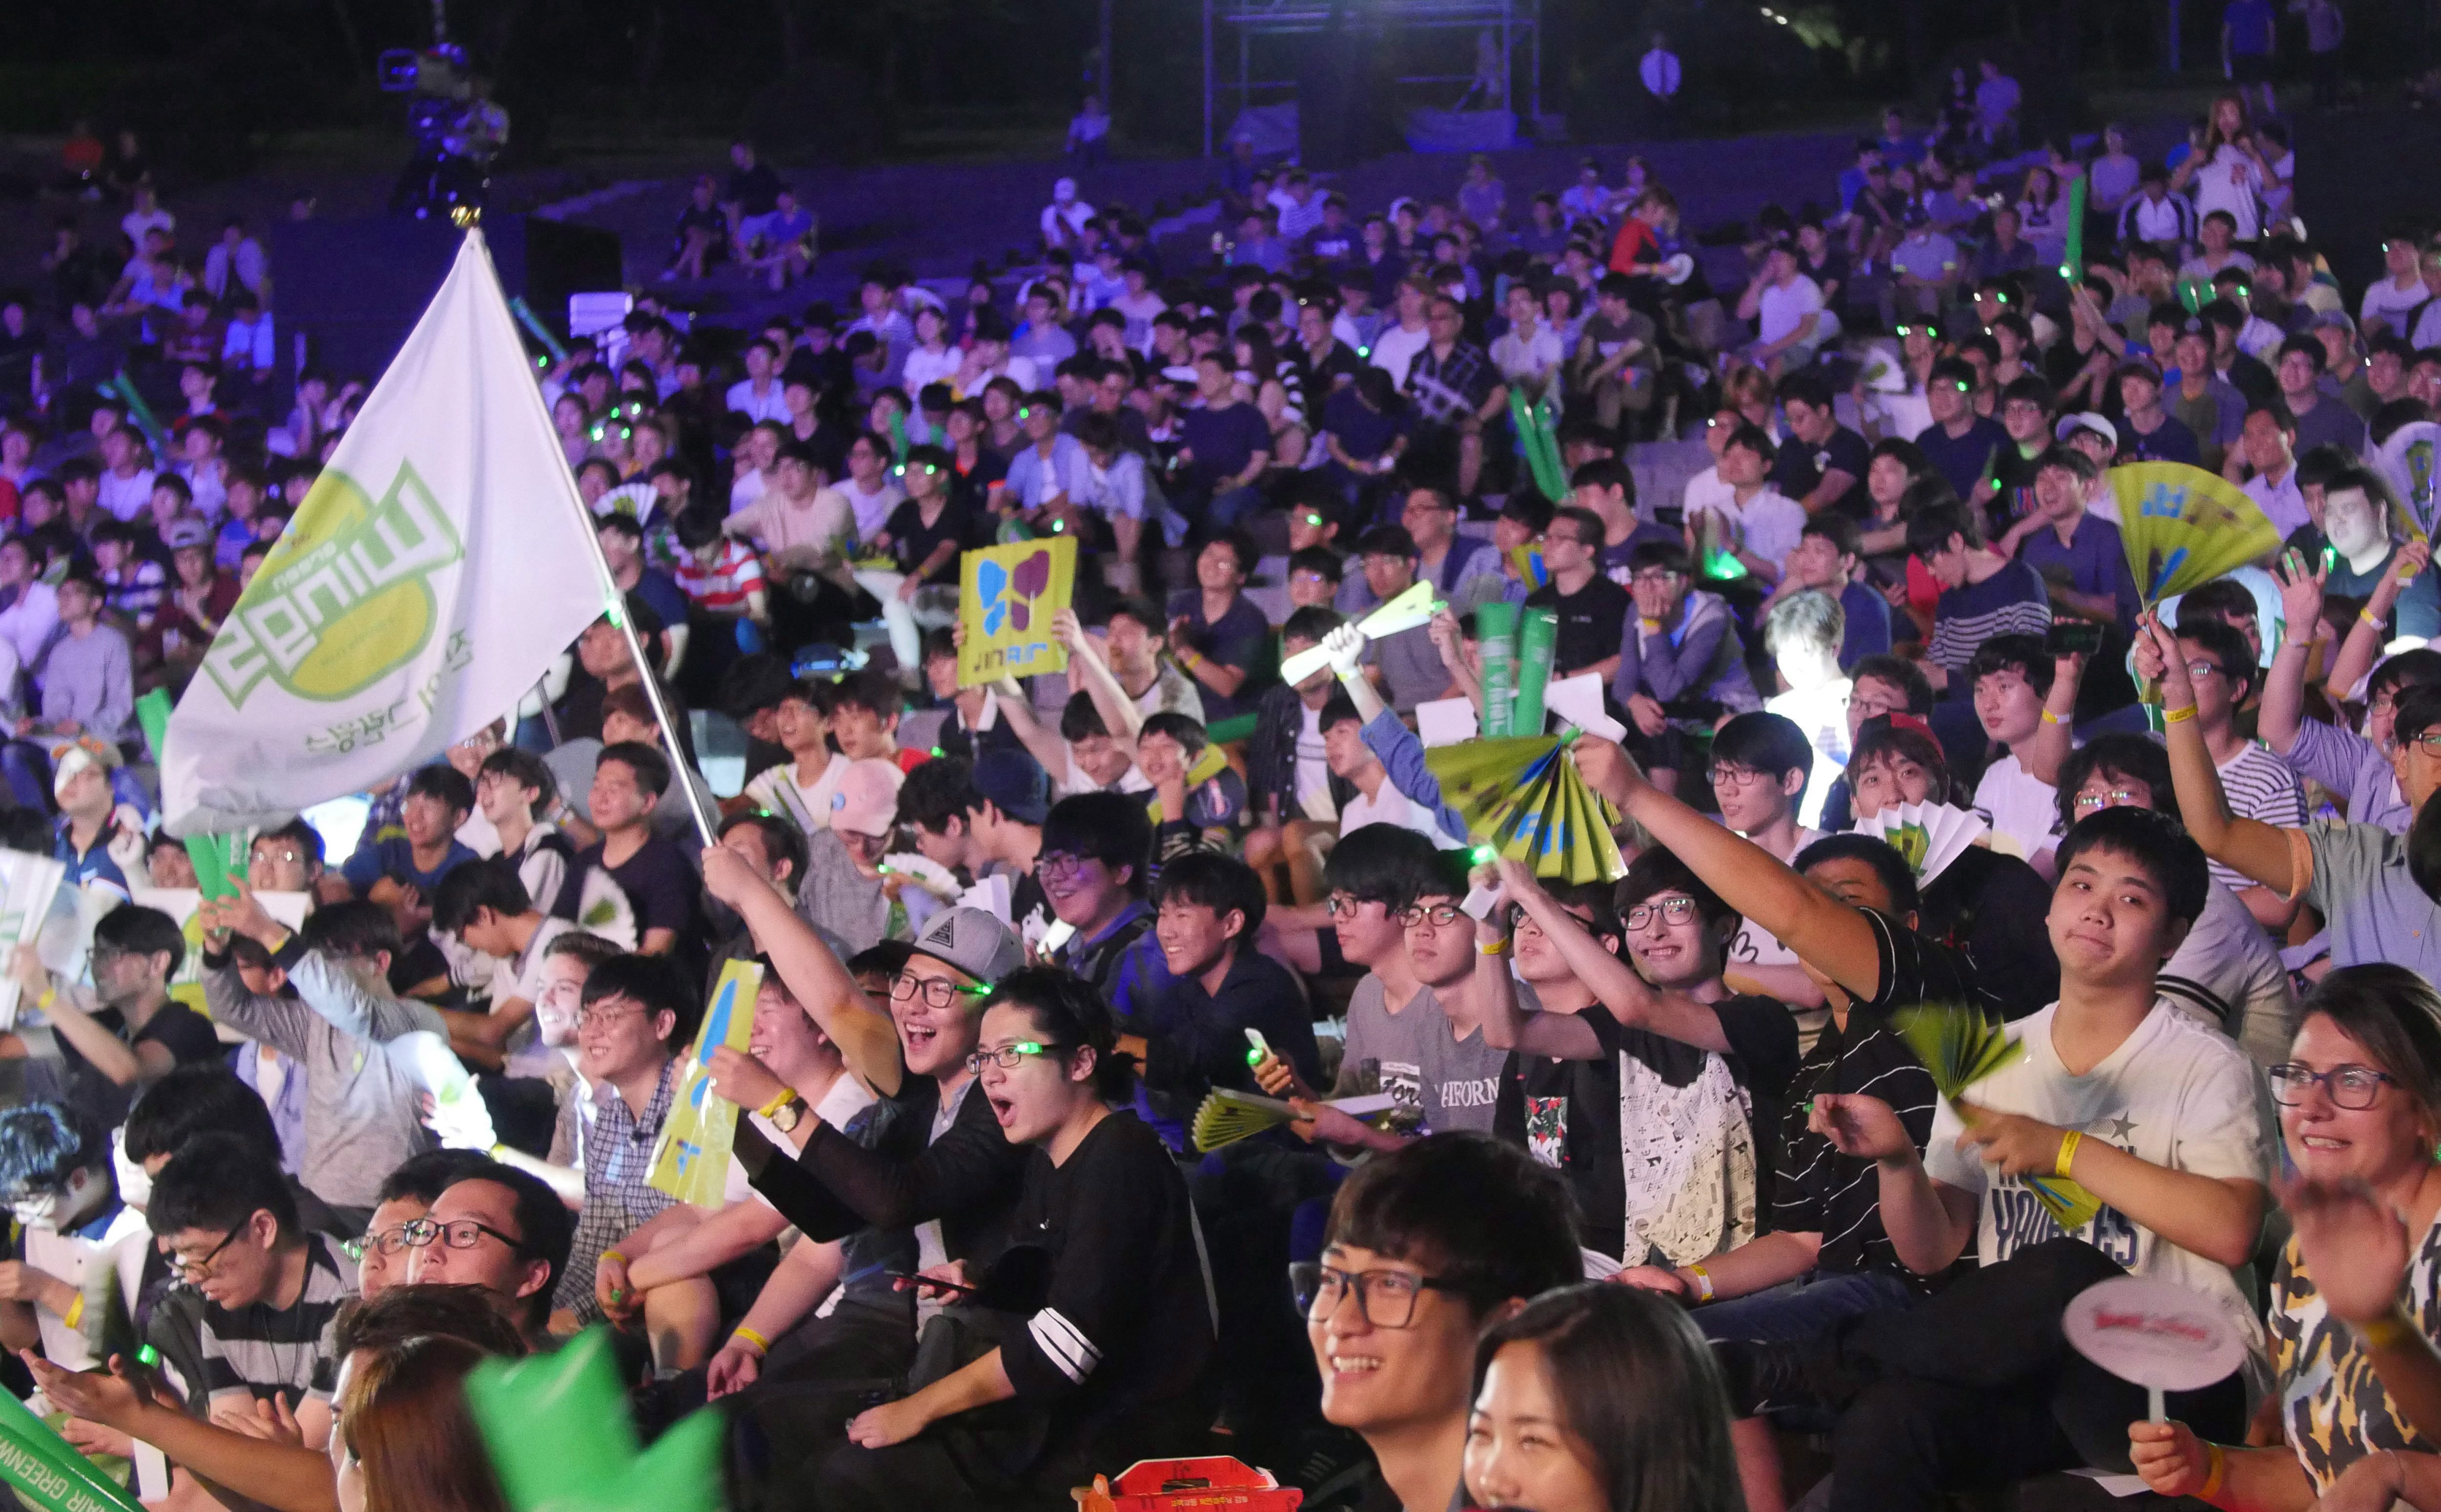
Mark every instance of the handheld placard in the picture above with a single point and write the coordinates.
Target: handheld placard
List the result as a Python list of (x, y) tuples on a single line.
[(2155, 1334)]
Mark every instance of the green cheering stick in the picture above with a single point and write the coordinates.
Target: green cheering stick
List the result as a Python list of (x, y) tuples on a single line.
[(47, 1472), (1960, 1046), (561, 1439)]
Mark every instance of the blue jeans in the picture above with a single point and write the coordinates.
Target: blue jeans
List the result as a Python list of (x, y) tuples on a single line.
[(1796, 1311), (1228, 509)]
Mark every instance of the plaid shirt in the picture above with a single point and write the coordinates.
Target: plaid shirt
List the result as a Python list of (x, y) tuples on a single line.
[(618, 1153), (1448, 390)]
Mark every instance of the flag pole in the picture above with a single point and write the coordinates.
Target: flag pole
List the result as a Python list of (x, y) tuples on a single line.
[(613, 603)]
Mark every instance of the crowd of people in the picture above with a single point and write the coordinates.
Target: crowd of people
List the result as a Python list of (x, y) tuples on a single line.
[(1651, 1195)]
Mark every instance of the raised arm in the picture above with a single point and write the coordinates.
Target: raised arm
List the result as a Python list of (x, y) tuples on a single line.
[(1043, 745), (2055, 739), (2250, 846), (2363, 645), (1633, 1001), (1506, 1026), (867, 1039), (1120, 715), (2283, 688), (1813, 924)]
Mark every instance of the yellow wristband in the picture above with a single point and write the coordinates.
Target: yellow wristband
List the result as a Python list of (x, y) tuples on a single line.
[(2069, 1141), (613, 1255), (1495, 947), (761, 1346), (75, 1311), (1702, 1279), (2388, 1331), (2050, 718), (51, 995), (2367, 616), (2177, 716), (787, 1095), (2213, 1476)]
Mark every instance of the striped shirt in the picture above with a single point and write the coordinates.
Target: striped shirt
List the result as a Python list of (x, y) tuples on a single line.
[(260, 1352), (137, 589), (2011, 602), (722, 586), (2260, 786)]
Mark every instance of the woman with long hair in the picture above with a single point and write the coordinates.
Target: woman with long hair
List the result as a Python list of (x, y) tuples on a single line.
[(405, 1440), (2357, 1295), (1106, 1365), (2229, 170), (1599, 1399), (2042, 217)]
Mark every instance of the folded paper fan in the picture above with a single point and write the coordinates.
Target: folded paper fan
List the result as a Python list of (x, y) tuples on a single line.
[(1930, 836), (924, 872), (1228, 1116), (2181, 526), (1958, 1047), (1522, 796)]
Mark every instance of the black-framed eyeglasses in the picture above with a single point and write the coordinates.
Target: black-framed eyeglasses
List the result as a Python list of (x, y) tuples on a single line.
[(1672, 910), (1725, 776), (1007, 1057), (2430, 740), (1384, 1299), (457, 1234), (197, 1269), (1347, 906), (2353, 1087), (385, 1243), (1441, 914), (937, 991), (1058, 864)]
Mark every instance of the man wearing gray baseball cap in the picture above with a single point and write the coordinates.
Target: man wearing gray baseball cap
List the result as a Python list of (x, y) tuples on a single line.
[(928, 1183)]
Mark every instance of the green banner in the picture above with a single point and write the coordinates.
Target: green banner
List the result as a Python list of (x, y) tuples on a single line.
[(47, 1472)]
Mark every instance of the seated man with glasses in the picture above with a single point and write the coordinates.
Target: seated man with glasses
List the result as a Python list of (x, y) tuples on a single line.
[(1425, 1247), (639, 1013), (1762, 775), (382, 1251), (272, 1292), (1414, 1024), (1686, 1058), (499, 1230)]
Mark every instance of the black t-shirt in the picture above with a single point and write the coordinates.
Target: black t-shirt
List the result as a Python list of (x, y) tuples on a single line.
[(1117, 1351), (754, 191), (2014, 471), (971, 488), (1916, 969), (184, 1032), (913, 541), (1821, 1191), (1566, 1114), (1995, 907), (661, 888), (1593, 622), (1800, 467)]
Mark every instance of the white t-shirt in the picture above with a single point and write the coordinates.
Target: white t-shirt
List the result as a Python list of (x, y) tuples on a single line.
[(1312, 769), (846, 1098), (1822, 714), (122, 1243), (1395, 346), (522, 977), (125, 499), (871, 509), (1076, 780), (1754, 946), (2387, 301), (925, 368), (2233, 181), (1783, 308), (806, 805), (772, 404), (1705, 491), (2022, 806), (1390, 806), (2174, 1093), (1770, 523)]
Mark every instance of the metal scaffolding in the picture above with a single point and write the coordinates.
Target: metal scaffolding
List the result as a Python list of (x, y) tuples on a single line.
[(1513, 26)]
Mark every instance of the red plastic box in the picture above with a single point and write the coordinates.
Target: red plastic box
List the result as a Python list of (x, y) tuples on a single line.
[(1175, 1485)]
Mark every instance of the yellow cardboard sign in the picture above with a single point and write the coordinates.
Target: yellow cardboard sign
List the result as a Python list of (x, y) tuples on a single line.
[(1006, 596), (691, 1164)]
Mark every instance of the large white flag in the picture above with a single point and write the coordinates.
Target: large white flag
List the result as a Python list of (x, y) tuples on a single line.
[(440, 563)]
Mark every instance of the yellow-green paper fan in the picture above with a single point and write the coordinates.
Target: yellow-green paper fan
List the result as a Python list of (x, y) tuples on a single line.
[(1960, 1046)]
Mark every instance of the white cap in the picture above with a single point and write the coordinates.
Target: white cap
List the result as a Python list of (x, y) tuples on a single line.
[(2085, 420)]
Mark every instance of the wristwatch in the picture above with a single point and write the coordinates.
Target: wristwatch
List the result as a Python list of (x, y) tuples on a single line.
[(789, 1115)]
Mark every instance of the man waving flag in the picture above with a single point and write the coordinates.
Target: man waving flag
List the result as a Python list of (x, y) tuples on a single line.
[(440, 563)]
